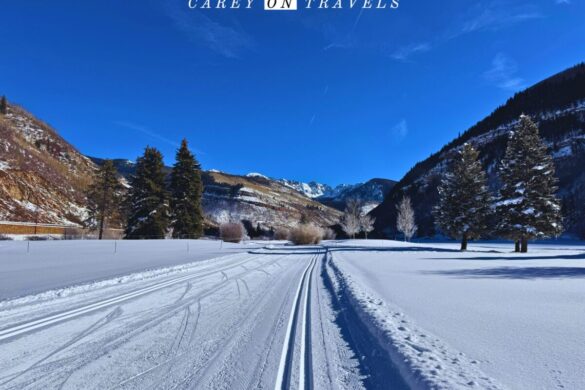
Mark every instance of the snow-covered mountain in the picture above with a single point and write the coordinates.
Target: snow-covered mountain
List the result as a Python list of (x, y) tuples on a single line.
[(557, 104)]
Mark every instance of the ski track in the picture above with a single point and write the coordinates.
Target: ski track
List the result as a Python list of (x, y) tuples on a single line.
[(281, 327)]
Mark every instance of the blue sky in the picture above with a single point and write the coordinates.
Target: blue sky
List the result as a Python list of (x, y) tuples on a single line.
[(337, 96)]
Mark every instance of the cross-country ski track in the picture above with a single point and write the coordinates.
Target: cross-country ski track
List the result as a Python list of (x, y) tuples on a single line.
[(262, 319)]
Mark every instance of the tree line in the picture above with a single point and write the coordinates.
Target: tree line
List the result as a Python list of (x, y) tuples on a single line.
[(153, 206)]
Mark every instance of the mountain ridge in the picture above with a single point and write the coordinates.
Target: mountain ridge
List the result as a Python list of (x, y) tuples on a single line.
[(556, 103)]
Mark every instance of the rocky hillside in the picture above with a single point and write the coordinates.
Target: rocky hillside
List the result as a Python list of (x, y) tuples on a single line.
[(42, 177), (557, 104), (260, 200), (254, 198)]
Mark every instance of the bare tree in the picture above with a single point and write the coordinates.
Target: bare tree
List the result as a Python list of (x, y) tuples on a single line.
[(367, 224), (351, 219), (405, 220)]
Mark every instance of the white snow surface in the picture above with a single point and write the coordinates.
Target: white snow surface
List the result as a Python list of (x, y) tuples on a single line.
[(343, 315), (452, 316), (32, 267)]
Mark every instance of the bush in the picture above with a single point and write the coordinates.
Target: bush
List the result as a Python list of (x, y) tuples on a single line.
[(306, 235), (281, 234), (232, 232), (5, 238), (329, 234)]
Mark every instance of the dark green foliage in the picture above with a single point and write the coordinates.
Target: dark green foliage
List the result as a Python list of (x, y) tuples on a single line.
[(464, 199), (104, 198), (527, 207), (148, 201), (186, 191), (3, 105)]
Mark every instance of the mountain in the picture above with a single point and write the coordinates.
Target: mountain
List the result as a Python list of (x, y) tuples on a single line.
[(254, 198), (42, 176), (557, 104), (371, 193)]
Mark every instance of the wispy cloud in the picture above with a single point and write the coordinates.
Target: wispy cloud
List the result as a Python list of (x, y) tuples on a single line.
[(404, 53), (399, 131), (228, 41), (493, 16), (147, 131), (503, 73), (497, 16)]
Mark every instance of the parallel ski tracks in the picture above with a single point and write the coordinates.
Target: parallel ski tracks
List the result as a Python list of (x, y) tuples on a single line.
[(300, 316)]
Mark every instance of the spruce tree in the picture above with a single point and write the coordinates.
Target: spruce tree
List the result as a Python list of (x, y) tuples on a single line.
[(103, 198), (186, 191), (527, 207), (148, 201), (464, 204), (3, 105)]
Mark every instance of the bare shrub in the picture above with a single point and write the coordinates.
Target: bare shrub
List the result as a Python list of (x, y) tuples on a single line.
[(5, 238), (232, 231), (306, 235), (281, 234), (329, 234)]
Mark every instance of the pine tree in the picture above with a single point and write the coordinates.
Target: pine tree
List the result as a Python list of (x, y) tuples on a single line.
[(148, 201), (104, 198), (186, 191), (464, 203), (3, 105), (527, 207)]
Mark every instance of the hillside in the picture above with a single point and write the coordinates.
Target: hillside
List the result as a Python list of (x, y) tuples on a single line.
[(42, 177), (557, 104)]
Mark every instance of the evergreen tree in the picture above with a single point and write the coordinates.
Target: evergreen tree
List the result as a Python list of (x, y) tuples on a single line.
[(186, 191), (464, 199), (527, 207), (104, 198), (148, 200), (3, 105)]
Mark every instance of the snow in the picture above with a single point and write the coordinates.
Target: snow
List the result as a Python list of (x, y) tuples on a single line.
[(58, 264), (256, 174), (4, 166), (344, 315), (517, 318)]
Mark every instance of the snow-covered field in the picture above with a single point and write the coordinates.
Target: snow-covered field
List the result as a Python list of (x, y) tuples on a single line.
[(36, 266), (518, 318), (347, 314)]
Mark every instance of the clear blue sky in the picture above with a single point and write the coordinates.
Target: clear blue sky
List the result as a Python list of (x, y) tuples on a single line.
[(337, 96)]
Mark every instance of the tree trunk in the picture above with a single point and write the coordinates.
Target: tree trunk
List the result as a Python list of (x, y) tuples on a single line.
[(517, 246), (102, 221), (464, 242), (524, 245)]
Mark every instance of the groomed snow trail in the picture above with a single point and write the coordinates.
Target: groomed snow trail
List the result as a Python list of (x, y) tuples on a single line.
[(263, 319)]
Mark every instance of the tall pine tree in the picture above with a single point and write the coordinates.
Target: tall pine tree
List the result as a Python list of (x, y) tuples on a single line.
[(148, 201), (186, 190), (3, 105), (464, 204), (104, 198), (527, 207)]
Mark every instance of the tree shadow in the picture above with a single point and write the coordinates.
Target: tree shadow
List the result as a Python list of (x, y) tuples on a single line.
[(578, 256), (515, 273)]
